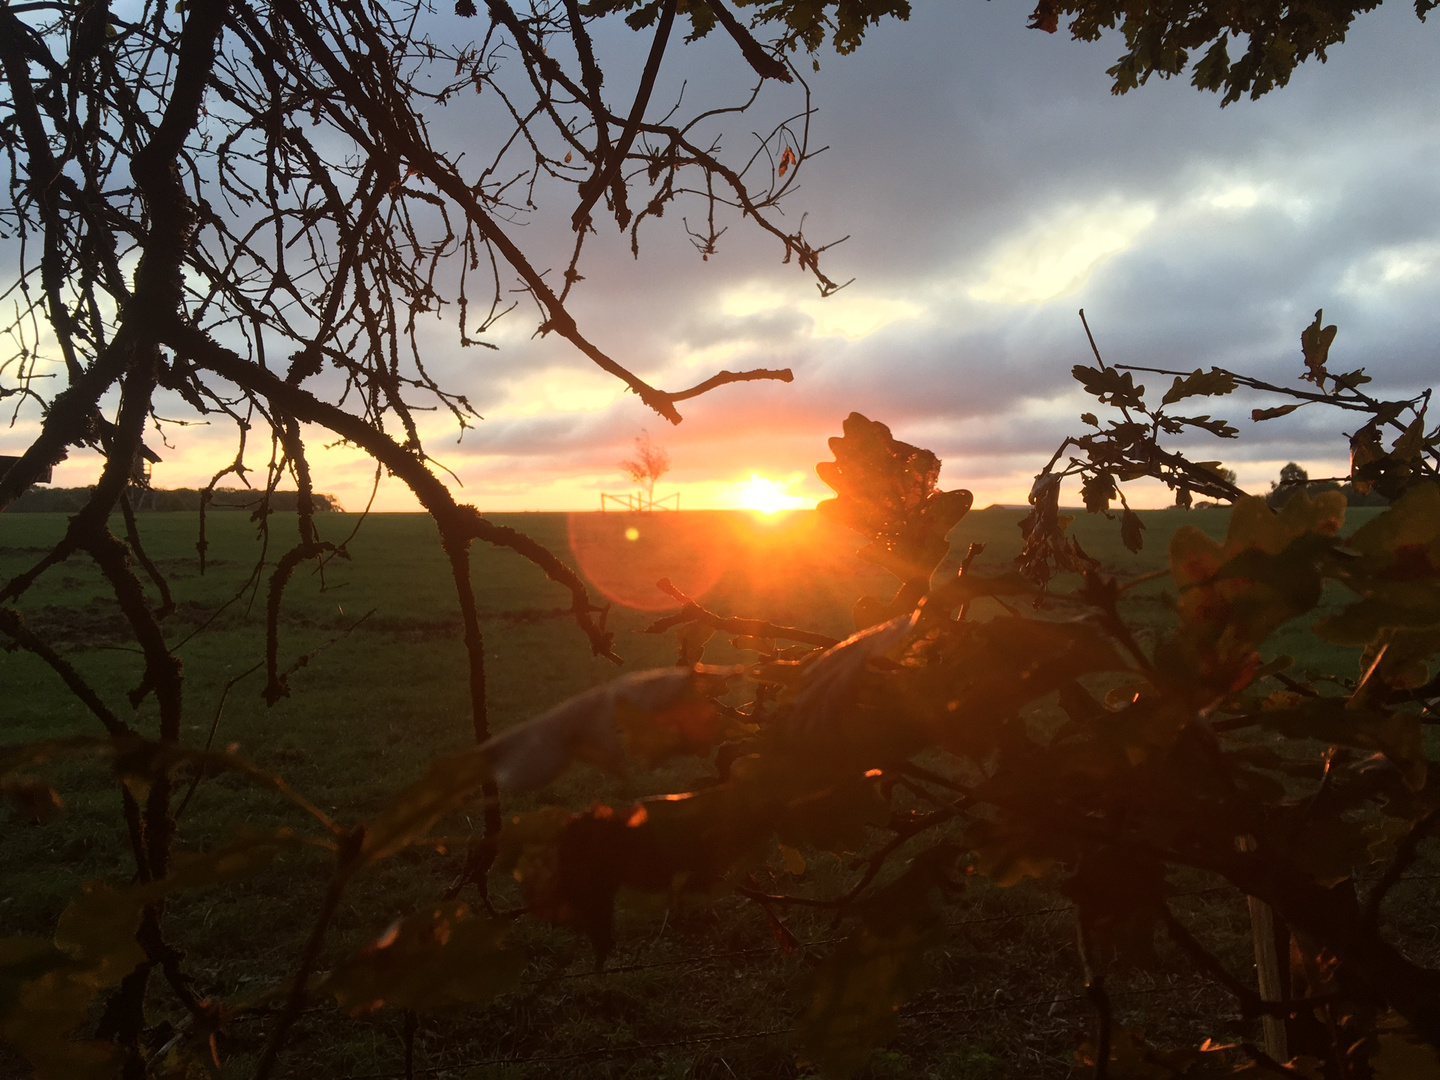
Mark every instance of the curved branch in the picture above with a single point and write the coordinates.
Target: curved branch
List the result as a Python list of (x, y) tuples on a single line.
[(12, 624), (409, 143), (601, 640), (723, 378), (1404, 856), (452, 518), (765, 65), (690, 611), (132, 537), (580, 220), (277, 683)]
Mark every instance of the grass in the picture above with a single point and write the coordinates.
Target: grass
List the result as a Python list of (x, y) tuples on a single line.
[(389, 693)]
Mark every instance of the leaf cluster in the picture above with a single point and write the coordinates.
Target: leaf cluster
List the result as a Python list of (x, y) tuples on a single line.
[(805, 24), (1129, 444), (886, 491), (1169, 37), (964, 734)]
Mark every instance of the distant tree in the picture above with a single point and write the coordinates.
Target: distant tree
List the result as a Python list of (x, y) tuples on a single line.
[(1293, 478), (649, 464), (1293, 475), (68, 500)]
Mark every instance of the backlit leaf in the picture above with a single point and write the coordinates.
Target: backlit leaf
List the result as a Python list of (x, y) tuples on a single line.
[(440, 956), (830, 677), (1132, 530), (1221, 429), (793, 860), (97, 930), (1098, 490), (446, 786), (1366, 457), (41, 1015), (1411, 442), (1212, 383), (46, 990), (690, 726), (653, 713), (36, 801), (1112, 387), (886, 491), (1315, 341), (1402, 1055), (570, 866), (1046, 17), (1399, 544), (1270, 414), (692, 637), (859, 987)]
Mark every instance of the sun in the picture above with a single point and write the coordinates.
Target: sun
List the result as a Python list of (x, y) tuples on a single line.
[(766, 496)]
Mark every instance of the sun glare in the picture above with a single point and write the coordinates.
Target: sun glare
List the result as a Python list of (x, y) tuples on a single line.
[(766, 496)]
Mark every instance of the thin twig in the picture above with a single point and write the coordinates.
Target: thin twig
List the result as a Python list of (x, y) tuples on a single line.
[(348, 859), (210, 738), (1404, 856), (691, 611)]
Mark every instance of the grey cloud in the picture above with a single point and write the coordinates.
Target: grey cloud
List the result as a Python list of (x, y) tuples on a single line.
[(959, 130)]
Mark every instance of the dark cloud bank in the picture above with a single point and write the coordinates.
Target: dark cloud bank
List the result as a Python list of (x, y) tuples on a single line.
[(961, 144), (961, 136)]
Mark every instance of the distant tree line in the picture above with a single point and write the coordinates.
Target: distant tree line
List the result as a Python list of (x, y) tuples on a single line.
[(72, 500), (1294, 478)]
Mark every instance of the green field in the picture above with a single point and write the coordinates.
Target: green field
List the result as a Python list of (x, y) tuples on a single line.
[(384, 696)]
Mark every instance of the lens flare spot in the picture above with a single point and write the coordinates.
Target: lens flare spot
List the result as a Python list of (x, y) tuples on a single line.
[(624, 555)]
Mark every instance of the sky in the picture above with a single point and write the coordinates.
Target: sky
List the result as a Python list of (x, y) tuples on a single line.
[(990, 186)]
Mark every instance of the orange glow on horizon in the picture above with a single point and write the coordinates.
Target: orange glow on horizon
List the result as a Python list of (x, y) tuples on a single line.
[(766, 496)]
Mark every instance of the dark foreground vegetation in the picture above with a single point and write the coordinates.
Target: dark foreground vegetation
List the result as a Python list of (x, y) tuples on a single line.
[(689, 992), (796, 938)]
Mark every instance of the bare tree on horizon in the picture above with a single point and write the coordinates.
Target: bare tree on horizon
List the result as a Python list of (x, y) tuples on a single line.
[(649, 464)]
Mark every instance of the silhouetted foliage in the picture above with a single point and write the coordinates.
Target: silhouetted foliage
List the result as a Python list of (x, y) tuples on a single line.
[(247, 216), (244, 216), (1294, 478), (1163, 37), (1012, 725)]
